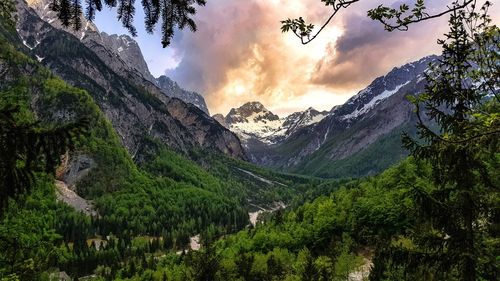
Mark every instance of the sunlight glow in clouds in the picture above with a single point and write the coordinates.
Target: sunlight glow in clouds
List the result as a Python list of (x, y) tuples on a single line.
[(239, 54), (248, 58)]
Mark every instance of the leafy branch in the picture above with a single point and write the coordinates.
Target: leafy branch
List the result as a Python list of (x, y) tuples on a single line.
[(392, 18), (172, 13), (400, 19), (304, 31)]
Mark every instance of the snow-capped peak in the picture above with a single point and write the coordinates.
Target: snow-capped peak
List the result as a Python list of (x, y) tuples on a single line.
[(381, 88), (253, 120)]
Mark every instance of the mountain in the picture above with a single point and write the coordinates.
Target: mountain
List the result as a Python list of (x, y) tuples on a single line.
[(171, 87), (358, 138), (139, 111), (255, 124), (129, 51), (120, 52), (301, 119)]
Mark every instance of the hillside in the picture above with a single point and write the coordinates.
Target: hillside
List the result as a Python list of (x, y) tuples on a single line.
[(135, 106), (167, 196)]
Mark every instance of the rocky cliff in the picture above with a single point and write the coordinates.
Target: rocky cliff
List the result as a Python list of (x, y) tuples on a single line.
[(138, 110)]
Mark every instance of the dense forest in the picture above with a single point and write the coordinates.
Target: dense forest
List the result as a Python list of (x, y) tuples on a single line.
[(433, 216)]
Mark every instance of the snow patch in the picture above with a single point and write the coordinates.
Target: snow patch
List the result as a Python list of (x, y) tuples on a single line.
[(385, 94)]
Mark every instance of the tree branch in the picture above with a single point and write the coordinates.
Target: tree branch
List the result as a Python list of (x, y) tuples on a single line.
[(336, 8), (403, 26)]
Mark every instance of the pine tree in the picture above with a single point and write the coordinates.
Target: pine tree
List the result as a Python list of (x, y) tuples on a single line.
[(173, 14), (28, 147), (454, 215)]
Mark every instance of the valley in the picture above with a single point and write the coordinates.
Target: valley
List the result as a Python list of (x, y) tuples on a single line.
[(110, 173)]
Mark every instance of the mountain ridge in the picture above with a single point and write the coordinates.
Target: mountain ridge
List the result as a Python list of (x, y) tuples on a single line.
[(252, 122), (367, 119), (120, 52), (139, 111)]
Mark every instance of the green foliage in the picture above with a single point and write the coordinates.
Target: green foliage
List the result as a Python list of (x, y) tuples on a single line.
[(7, 9), (365, 162), (27, 145), (24, 147), (319, 240), (456, 212), (28, 238)]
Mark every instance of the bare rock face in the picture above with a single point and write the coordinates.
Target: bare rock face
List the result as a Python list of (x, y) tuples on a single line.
[(221, 119), (138, 110), (78, 167), (129, 51), (172, 89), (121, 53)]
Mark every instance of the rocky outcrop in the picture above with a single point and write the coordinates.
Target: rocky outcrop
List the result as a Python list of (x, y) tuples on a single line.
[(172, 89), (78, 167), (221, 119), (129, 52)]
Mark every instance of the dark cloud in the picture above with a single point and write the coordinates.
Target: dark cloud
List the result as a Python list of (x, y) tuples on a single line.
[(366, 50)]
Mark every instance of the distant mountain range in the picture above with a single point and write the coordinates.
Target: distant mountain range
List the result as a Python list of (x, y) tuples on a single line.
[(358, 138), (253, 122)]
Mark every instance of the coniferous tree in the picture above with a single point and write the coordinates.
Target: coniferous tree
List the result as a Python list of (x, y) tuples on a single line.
[(453, 216), (173, 14), (27, 147)]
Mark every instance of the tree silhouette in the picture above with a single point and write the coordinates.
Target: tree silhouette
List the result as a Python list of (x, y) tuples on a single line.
[(172, 13), (26, 148), (392, 18)]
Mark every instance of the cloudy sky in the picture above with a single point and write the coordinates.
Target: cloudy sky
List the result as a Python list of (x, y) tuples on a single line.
[(239, 54)]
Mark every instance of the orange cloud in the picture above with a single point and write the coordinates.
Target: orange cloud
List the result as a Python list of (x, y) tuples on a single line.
[(239, 54)]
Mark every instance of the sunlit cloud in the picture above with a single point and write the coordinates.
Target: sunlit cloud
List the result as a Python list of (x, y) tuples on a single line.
[(239, 54)]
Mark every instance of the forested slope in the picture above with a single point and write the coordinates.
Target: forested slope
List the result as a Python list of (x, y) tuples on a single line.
[(168, 199)]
